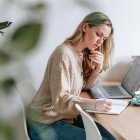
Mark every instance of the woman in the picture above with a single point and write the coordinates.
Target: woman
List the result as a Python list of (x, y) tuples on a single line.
[(74, 65)]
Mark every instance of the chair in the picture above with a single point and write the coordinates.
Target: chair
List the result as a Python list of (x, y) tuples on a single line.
[(26, 92), (92, 132)]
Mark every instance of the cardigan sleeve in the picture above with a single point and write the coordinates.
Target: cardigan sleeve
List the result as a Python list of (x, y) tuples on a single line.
[(60, 85), (92, 80)]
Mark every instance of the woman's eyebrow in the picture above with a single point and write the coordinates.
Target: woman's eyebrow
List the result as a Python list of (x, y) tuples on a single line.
[(100, 33), (104, 35)]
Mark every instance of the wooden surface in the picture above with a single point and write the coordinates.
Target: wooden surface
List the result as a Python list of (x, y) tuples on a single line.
[(125, 126)]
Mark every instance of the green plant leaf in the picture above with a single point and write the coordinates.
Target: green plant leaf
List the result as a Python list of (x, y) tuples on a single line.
[(5, 24), (4, 57), (37, 7), (26, 37), (7, 85), (6, 131)]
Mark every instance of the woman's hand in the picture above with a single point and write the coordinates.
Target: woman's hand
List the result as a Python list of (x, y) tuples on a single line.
[(103, 105), (98, 58)]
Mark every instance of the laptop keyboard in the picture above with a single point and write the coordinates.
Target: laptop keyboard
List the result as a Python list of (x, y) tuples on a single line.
[(113, 90)]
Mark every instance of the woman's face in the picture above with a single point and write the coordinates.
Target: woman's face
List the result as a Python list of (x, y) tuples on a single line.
[(95, 36)]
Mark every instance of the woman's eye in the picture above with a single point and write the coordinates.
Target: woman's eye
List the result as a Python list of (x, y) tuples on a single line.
[(98, 35)]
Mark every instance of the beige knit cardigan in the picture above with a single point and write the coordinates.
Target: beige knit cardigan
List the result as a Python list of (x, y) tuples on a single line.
[(61, 87)]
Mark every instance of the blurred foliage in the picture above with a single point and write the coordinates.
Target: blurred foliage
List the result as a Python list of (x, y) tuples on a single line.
[(4, 25), (18, 43), (4, 57), (37, 7), (25, 38), (7, 85), (89, 4), (5, 131), (22, 40)]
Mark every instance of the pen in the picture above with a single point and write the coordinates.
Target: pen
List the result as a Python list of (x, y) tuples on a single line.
[(101, 93)]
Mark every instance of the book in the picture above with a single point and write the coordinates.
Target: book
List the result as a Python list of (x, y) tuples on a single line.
[(117, 107)]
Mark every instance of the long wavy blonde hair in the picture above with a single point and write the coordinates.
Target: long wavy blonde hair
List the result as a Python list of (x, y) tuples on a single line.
[(93, 19)]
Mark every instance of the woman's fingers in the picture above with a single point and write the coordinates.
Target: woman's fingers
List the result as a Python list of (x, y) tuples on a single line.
[(97, 57), (98, 61), (103, 105), (107, 107), (97, 54)]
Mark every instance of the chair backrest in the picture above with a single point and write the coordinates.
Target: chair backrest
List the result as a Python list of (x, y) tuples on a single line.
[(92, 132), (26, 91)]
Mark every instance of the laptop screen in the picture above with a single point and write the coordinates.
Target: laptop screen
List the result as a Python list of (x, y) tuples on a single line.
[(131, 81)]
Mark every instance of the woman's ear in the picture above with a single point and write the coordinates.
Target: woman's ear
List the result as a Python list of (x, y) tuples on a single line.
[(85, 27)]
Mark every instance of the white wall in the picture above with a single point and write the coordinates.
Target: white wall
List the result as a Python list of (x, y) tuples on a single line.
[(62, 18)]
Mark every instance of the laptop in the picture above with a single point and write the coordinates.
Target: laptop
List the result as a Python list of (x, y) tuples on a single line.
[(126, 89)]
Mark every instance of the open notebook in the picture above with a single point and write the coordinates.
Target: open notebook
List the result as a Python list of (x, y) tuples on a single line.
[(117, 107)]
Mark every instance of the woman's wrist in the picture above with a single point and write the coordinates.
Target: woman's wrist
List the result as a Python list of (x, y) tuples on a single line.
[(95, 106), (99, 71), (99, 68)]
